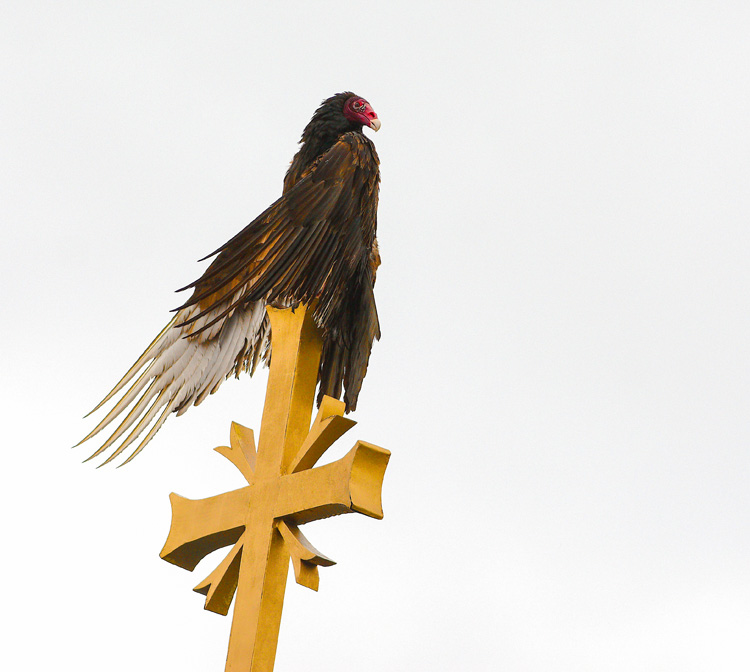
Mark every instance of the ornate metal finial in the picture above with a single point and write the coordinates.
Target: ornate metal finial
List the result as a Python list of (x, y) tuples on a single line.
[(262, 519)]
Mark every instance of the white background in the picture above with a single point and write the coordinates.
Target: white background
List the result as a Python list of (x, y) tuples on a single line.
[(563, 375)]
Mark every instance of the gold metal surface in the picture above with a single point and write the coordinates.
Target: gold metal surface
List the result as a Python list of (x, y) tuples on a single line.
[(262, 519)]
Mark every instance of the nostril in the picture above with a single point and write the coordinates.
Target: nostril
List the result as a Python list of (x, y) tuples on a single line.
[(371, 114)]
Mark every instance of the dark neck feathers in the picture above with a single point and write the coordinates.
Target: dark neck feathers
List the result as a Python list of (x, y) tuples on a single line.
[(327, 125)]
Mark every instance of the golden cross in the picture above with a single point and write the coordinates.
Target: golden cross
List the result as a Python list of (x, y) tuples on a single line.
[(284, 491)]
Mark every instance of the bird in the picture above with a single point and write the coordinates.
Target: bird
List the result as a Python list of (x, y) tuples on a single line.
[(315, 245)]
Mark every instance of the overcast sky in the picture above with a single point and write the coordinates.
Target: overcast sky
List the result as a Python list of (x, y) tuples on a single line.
[(563, 374)]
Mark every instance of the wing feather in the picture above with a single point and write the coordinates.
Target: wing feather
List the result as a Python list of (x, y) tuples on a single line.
[(156, 344), (144, 421), (177, 369), (157, 425)]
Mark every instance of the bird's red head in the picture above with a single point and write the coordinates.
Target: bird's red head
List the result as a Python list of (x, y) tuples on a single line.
[(359, 111)]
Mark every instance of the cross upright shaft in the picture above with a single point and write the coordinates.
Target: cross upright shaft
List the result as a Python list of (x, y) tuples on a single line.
[(286, 421)]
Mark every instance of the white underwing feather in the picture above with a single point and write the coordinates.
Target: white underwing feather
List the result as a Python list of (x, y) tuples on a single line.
[(179, 369)]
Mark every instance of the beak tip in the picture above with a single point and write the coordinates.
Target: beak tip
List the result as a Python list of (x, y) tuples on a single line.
[(375, 125)]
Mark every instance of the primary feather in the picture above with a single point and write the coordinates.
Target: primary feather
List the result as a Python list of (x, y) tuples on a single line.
[(315, 243)]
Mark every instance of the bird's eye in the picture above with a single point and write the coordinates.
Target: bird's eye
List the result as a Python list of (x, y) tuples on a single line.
[(359, 105)]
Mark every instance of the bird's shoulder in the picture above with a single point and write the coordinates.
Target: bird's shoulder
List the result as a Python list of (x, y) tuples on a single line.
[(352, 150), (362, 147)]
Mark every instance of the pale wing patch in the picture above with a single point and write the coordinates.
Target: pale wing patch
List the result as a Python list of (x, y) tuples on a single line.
[(178, 370)]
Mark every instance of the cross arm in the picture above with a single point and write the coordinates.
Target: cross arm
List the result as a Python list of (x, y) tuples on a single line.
[(329, 425), (352, 483), (305, 557), (200, 526), (220, 585), (241, 451)]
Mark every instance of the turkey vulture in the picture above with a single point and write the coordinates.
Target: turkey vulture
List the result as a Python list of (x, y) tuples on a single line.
[(315, 243)]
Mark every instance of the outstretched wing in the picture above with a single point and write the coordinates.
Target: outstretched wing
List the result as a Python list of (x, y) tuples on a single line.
[(180, 368), (317, 242)]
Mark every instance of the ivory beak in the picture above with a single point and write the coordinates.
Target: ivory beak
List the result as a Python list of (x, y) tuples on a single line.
[(375, 125)]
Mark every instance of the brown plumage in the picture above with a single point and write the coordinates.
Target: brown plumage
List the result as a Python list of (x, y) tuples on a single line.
[(314, 244)]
